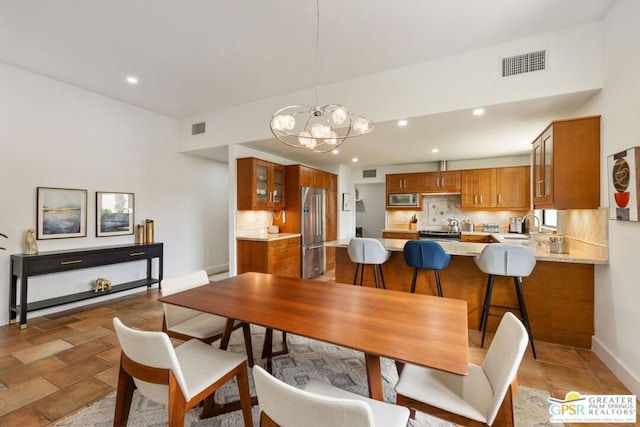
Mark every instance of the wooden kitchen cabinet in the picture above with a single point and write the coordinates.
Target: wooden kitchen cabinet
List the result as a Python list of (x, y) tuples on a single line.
[(400, 235), (566, 165), (404, 183), (280, 257), (310, 177), (331, 197), (496, 188), (441, 182), (261, 184)]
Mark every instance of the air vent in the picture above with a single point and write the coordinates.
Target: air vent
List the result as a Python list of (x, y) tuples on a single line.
[(525, 63), (370, 173), (197, 128)]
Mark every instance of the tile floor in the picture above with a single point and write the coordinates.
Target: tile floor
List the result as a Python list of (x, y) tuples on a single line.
[(63, 362)]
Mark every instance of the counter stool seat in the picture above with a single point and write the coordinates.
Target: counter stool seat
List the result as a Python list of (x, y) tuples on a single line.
[(517, 261), (426, 255), (367, 251)]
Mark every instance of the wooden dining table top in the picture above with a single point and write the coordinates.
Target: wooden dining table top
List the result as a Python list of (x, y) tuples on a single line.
[(419, 329)]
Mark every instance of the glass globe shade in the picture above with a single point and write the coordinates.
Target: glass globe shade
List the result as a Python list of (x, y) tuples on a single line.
[(288, 122), (278, 122), (361, 125), (333, 138), (339, 116), (306, 141), (318, 130)]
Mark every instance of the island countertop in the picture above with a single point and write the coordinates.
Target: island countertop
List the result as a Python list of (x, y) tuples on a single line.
[(453, 247)]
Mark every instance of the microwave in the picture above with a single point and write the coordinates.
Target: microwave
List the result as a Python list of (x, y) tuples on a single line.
[(411, 200)]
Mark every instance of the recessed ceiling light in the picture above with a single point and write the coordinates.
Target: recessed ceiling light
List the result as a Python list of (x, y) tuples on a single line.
[(478, 111), (435, 150), (132, 80), (336, 151), (402, 122), (354, 160)]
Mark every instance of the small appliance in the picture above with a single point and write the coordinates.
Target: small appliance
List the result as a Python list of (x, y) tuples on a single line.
[(404, 200), (515, 225)]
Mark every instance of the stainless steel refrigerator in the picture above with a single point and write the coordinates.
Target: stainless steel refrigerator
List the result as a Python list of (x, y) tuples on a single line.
[(313, 231)]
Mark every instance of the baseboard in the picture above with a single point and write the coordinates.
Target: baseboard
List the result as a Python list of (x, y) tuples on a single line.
[(222, 268), (619, 369)]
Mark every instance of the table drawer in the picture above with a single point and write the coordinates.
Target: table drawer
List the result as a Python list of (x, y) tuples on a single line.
[(133, 253), (65, 262)]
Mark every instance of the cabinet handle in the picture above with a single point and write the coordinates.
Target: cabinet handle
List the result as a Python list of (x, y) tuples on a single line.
[(481, 199), (443, 181), (499, 198), (136, 253), (75, 261), (475, 199)]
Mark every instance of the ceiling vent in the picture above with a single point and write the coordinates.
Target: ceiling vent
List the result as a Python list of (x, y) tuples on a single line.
[(525, 63), (197, 128), (369, 173)]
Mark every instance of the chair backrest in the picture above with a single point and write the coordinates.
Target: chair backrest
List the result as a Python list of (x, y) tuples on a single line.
[(289, 406), (365, 250), (503, 359), (425, 254), (500, 259), (154, 349), (172, 313)]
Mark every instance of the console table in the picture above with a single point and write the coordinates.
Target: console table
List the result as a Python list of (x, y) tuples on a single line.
[(24, 266)]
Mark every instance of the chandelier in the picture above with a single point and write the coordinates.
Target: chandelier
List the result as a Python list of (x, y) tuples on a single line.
[(321, 129)]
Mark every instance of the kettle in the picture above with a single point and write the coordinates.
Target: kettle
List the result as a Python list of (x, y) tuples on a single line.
[(454, 226)]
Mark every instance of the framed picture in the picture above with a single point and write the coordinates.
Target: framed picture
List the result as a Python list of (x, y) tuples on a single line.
[(61, 213), (624, 185), (346, 201), (114, 213)]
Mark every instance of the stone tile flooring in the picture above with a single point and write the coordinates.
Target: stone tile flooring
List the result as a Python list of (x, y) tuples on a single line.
[(63, 362)]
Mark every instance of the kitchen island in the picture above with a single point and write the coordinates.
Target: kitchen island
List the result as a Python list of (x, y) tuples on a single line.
[(559, 292)]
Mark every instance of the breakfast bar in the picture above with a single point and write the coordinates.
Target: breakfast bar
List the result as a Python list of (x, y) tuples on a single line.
[(559, 292)]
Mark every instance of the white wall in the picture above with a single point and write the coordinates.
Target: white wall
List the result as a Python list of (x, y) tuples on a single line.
[(370, 209), (617, 293), (56, 135)]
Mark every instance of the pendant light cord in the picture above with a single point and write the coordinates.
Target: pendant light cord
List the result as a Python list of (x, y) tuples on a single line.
[(317, 38)]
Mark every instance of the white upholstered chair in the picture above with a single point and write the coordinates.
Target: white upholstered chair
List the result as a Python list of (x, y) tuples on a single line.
[(184, 323), (481, 398), (179, 378), (320, 405), (366, 251)]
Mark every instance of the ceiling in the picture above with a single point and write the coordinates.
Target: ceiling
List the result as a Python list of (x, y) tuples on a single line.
[(197, 56)]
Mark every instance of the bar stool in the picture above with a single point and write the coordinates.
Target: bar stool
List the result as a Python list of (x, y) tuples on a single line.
[(427, 255), (366, 251), (517, 261)]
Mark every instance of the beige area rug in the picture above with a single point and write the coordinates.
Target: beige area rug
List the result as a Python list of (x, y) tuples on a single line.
[(307, 359)]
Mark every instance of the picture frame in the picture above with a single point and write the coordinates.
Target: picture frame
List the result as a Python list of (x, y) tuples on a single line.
[(61, 213), (624, 185), (346, 201), (114, 213)]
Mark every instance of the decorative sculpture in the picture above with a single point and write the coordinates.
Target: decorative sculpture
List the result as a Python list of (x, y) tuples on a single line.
[(30, 240), (102, 285)]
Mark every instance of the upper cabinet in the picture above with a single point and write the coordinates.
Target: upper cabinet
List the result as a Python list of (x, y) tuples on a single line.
[(404, 182), (261, 184), (566, 165), (441, 182), (496, 188)]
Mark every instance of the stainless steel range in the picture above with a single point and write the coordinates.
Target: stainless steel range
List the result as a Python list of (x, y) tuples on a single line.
[(439, 235)]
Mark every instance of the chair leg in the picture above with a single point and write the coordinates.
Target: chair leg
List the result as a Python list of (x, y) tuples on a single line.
[(438, 282), (246, 331), (361, 274), (355, 277), (485, 309), (177, 405), (384, 286), (523, 311), (487, 297), (413, 280), (375, 274), (242, 378), (124, 395)]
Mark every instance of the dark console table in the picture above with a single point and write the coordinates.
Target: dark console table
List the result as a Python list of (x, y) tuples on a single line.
[(24, 266)]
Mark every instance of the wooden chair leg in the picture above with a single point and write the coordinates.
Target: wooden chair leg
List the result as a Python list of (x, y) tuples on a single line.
[(177, 405), (246, 331), (242, 378), (124, 395)]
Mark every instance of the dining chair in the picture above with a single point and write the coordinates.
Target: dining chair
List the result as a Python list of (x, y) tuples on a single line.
[(180, 378), (428, 255), (185, 323), (320, 405), (499, 259), (481, 398), (367, 251)]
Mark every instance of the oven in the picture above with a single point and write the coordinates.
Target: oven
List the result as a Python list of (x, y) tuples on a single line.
[(439, 235)]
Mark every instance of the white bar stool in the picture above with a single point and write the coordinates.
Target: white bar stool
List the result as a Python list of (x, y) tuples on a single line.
[(367, 251), (517, 261)]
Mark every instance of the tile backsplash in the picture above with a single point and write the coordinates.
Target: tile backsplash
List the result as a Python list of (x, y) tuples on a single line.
[(253, 221)]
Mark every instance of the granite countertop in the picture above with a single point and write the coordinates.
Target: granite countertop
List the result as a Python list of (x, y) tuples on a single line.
[(542, 253), (266, 237)]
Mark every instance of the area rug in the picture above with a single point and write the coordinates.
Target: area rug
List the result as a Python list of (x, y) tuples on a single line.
[(307, 359)]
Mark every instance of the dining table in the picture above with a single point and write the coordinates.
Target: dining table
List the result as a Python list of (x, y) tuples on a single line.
[(407, 328)]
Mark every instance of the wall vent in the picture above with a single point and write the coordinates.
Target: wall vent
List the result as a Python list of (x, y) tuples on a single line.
[(197, 128), (369, 173), (525, 63)]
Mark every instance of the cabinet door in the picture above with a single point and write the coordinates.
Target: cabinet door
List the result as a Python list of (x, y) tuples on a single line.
[(543, 168), (469, 189), (276, 184), (262, 176), (431, 182), (404, 183), (450, 181), (487, 188), (332, 226), (513, 188)]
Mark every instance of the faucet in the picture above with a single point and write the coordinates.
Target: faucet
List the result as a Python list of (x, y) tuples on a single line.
[(534, 223)]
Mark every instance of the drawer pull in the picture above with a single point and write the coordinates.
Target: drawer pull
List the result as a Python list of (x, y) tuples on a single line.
[(136, 253), (75, 261)]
